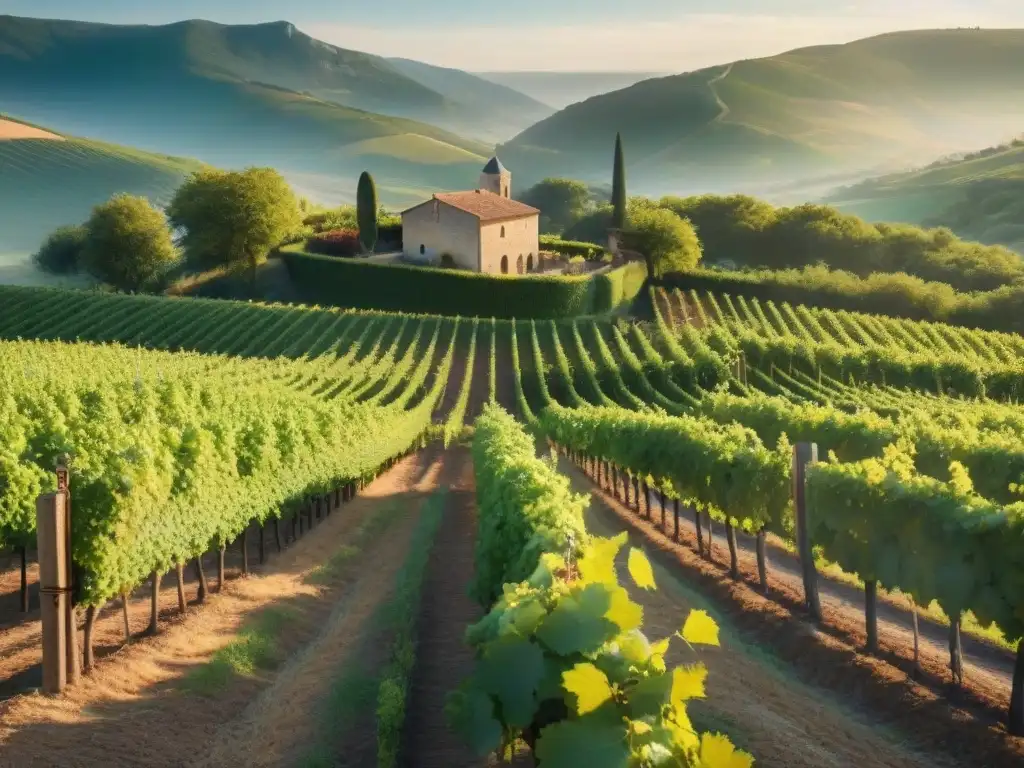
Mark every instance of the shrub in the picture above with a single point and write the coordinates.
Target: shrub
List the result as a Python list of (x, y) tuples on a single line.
[(339, 242), (234, 218), (61, 251), (128, 244)]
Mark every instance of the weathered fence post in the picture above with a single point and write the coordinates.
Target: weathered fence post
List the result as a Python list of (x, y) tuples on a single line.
[(730, 536), (1016, 719), (74, 661), (804, 454), (871, 614), (956, 651), (675, 515), (661, 498), (698, 526), (54, 590), (762, 559)]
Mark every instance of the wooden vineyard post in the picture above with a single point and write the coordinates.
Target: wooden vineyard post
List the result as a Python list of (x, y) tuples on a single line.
[(698, 526), (54, 590), (220, 565), (277, 533), (244, 542), (661, 498), (263, 545), (730, 536), (23, 552), (647, 499), (675, 515), (871, 614), (179, 570), (1015, 723), (636, 494), (762, 559), (74, 661), (804, 454), (154, 606), (956, 652)]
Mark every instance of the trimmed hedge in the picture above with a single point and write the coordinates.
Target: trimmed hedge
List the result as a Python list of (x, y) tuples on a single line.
[(329, 281), (570, 247)]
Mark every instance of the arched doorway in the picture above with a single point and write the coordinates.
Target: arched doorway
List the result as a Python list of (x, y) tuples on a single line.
[(504, 265), (529, 263), (519, 265), (423, 249)]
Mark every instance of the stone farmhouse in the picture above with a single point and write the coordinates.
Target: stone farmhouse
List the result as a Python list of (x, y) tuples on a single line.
[(483, 230)]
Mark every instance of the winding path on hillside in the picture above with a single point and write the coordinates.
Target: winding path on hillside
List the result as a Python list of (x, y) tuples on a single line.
[(724, 113)]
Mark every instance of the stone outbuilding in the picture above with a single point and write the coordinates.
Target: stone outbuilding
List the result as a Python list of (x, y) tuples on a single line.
[(483, 230)]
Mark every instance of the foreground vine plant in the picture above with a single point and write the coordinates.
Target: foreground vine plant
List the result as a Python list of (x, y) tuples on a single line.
[(562, 665)]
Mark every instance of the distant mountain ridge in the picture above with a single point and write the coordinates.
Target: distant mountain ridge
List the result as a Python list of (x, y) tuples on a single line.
[(827, 109), (560, 89), (234, 96)]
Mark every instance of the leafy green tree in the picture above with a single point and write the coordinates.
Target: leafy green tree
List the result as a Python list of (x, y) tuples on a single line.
[(667, 242), (128, 244), (234, 218), (366, 211), (619, 199), (562, 202), (61, 251)]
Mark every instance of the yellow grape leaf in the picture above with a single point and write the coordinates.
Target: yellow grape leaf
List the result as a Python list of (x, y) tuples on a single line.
[(716, 751), (590, 686), (597, 565), (682, 729), (640, 569), (640, 728), (623, 612), (660, 647), (700, 629), (688, 683)]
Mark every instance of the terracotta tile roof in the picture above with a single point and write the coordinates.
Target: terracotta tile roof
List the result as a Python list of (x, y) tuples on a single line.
[(485, 205)]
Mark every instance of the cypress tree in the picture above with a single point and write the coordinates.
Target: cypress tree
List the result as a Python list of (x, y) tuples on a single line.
[(366, 211), (619, 186)]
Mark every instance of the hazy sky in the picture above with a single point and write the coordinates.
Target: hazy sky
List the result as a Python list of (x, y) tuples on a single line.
[(648, 35)]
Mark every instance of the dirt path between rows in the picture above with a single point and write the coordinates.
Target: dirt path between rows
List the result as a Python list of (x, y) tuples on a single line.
[(137, 708), (443, 658), (787, 694)]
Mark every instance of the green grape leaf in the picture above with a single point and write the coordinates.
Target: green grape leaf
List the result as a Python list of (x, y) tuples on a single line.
[(578, 624), (640, 569), (649, 696), (588, 685), (511, 670), (591, 741), (471, 712)]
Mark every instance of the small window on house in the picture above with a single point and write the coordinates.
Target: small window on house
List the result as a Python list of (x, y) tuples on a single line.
[(504, 265), (529, 263), (519, 265), (423, 249), (503, 231)]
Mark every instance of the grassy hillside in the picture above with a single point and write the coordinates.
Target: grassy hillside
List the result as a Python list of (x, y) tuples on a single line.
[(232, 96), (866, 105), (979, 196), (45, 183)]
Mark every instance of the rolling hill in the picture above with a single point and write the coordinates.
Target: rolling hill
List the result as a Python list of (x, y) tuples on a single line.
[(851, 109), (979, 196), (48, 180), (236, 96), (560, 89)]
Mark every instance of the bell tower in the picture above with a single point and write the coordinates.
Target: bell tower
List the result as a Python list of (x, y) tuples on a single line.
[(495, 178)]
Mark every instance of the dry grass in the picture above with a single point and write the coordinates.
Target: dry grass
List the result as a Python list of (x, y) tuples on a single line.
[(10, 130)]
